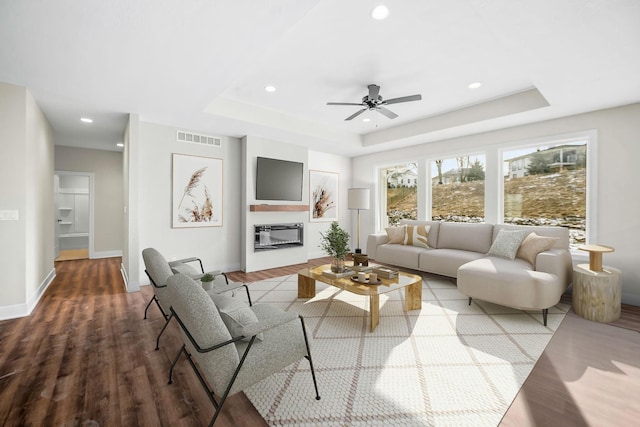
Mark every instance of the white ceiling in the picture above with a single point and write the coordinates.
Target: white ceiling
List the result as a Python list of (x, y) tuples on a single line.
[(203, 65)]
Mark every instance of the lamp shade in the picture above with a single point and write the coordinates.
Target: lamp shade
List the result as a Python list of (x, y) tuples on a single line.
[(358, 198)]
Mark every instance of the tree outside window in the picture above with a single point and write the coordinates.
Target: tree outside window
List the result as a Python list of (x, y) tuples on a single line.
[(457, 189)]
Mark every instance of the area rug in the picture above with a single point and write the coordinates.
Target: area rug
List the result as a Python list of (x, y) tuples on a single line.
[(448, 364)]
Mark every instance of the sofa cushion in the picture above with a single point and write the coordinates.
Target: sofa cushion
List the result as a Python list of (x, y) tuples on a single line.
[(532, 245), (445, 261), (434, 227), (235, 314), (396, 234), (400, 255), (466, 237), (507, 243), (560, 233), (416, 235)]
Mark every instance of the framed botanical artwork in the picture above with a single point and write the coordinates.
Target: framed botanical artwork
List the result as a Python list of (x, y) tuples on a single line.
[(323, 196), (197, 191)]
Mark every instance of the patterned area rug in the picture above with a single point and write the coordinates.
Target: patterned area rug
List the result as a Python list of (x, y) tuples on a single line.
[(449, 364)]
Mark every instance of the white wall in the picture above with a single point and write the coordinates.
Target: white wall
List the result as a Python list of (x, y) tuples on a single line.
[(13, 196), (218, 247), (108, 194), (254, 147), (617, 200), (131, 171), (40, 201), (26, 168), (341, 165)]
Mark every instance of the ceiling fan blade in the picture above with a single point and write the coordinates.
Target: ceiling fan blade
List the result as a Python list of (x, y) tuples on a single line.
[(344, 103), (402, 99), (386, 112), (356, 114), (374, 92)]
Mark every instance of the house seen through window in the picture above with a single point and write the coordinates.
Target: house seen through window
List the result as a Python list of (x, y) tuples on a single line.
[(400, 192), (546, 185)]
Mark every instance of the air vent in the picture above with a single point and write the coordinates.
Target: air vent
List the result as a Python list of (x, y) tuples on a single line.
[(195, 138)]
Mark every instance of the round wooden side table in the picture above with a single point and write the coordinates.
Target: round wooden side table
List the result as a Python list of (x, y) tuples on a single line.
[(597, 289)]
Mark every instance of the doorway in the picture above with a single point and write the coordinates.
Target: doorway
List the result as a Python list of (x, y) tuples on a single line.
[(73, 192)]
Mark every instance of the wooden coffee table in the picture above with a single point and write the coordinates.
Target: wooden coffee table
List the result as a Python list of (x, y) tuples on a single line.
[(411, 283)]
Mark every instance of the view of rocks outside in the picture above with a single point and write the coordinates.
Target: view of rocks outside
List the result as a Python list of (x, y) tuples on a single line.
[(536, 192)]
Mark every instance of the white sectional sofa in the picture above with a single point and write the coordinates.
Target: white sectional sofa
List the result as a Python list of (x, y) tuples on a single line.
[(530, 281)]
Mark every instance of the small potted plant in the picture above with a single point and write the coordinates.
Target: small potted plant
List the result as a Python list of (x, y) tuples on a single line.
[(207, 280), (335, 243)]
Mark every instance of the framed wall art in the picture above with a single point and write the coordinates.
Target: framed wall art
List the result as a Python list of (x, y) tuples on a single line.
[(197, 191), (323, 196)]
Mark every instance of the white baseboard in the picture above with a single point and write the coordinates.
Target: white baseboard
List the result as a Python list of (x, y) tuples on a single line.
[(130, 285), (123, 271), (23, 310), (106, 254), (13, 311)]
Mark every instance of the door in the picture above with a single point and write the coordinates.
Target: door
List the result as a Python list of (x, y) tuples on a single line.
[(74, 212)]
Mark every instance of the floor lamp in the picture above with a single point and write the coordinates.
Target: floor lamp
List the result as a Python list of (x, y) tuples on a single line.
[(358, 199)]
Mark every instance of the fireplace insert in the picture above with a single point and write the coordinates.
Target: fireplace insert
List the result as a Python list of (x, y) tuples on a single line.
[(278, 236)]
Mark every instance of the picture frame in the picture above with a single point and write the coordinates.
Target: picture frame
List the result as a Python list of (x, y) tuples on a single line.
[(197, 191), (323, 196)]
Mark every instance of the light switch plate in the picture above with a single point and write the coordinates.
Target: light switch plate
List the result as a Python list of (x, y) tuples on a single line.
[(8, 215)]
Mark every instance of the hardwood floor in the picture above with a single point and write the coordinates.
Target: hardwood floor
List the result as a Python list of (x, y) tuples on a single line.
[(85, 357), (72, 254)]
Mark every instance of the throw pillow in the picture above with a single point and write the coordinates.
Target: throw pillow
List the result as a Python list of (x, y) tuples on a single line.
[(416, 235), (396, 234), (532, 245), (507, 243), (235, 314)]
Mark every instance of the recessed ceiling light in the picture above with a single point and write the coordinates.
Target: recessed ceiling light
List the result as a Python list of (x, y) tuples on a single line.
[(86, 120), (120, 144), (366, 119), (270, 88), (380, 12), (475, 85)]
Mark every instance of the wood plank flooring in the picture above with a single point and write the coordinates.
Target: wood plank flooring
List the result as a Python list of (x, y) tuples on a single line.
[(85, 357), (72, 254)]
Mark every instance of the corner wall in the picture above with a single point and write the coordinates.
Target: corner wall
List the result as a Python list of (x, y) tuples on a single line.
[(26, 168)]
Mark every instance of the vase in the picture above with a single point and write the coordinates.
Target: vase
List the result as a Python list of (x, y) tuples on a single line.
[(337, 265), (207, 286)]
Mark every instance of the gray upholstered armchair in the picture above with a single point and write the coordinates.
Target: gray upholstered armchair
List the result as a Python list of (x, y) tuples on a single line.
[(231, 346), (159, 270)]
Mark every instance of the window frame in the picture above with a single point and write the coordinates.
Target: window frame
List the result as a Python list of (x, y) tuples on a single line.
[(480, 151), (494, 179), (591, 137)]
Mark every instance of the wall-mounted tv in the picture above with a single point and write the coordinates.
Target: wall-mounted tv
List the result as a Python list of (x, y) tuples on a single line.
[(279, 179)]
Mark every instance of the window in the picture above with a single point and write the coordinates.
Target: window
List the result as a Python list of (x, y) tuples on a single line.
[(400, 193), (457, 189), (549, 189)]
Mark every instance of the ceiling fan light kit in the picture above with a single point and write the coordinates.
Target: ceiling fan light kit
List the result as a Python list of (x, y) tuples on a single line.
[(373, 101)]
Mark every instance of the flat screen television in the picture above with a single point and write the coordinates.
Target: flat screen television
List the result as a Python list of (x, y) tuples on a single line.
[(278, 179)]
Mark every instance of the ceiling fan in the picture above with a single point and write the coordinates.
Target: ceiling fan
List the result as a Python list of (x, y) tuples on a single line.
[(373, 101)]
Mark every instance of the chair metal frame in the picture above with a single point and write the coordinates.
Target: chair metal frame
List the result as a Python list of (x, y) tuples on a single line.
[(168, 317), (218, 405), (154, 284)]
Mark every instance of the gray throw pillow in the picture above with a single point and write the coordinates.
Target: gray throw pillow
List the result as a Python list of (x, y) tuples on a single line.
[(507, 243), (235, 314)]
